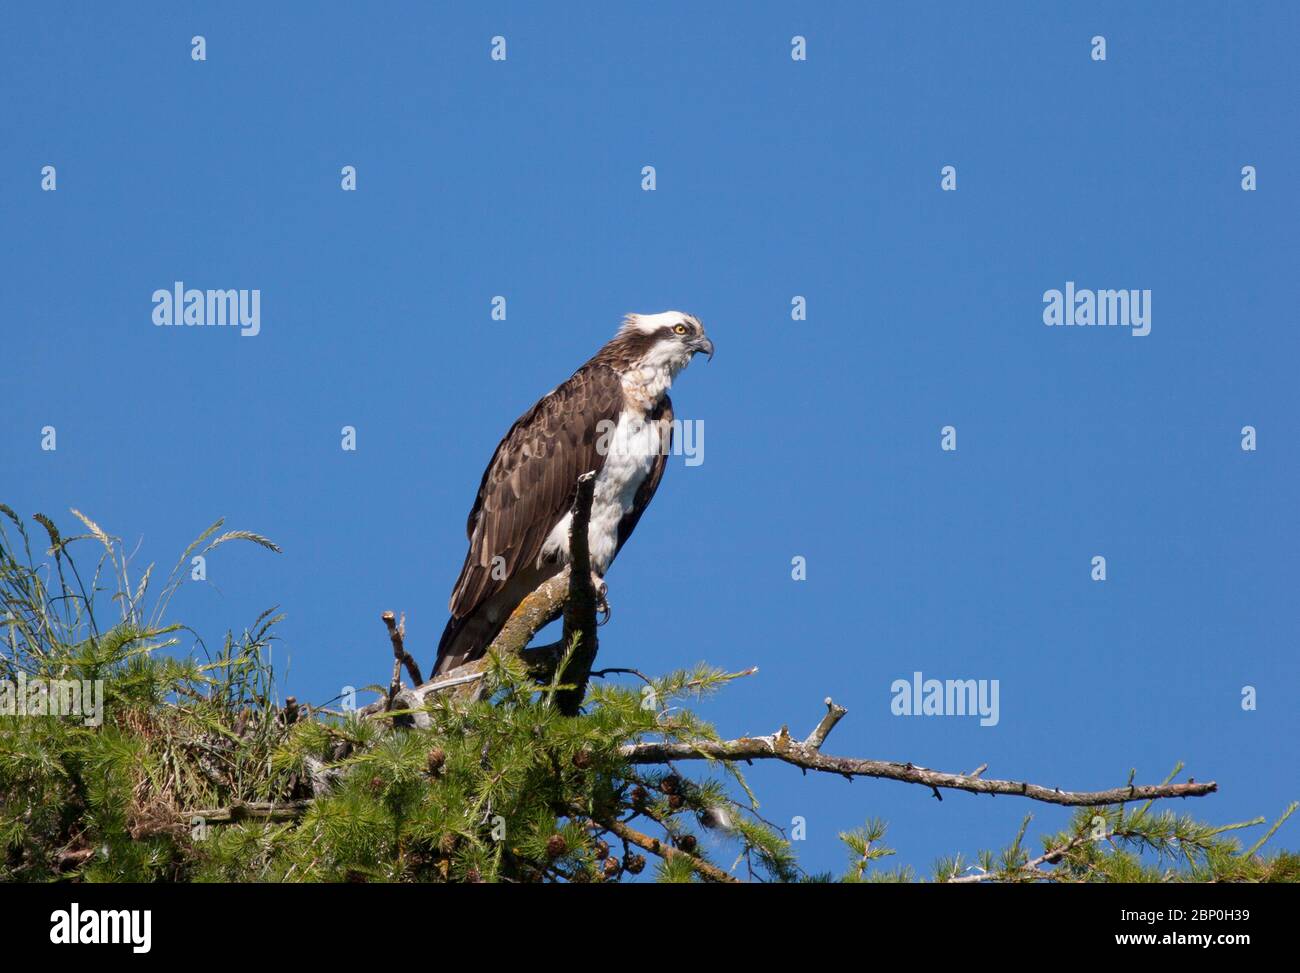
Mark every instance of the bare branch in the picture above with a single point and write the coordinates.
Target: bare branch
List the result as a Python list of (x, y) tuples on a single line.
[(396, 634), (580, 605), (805, 754)]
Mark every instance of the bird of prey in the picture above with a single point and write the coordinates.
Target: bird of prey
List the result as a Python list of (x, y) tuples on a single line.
[(612, 417)]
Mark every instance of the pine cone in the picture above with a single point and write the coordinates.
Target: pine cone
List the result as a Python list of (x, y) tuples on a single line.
[(556, 846), (437, 758), (634, 863)]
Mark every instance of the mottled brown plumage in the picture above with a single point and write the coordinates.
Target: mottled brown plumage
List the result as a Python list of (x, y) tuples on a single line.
[(530, 482)]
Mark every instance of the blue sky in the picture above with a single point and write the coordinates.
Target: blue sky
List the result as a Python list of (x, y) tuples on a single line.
[(775, 178)]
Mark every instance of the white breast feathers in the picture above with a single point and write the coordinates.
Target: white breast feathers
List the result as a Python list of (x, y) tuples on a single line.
[(631, 450)]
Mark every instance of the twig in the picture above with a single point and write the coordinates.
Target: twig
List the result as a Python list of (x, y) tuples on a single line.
[(834, 713), (665, 851), (1030, 868), (396, 634), (602, 673)]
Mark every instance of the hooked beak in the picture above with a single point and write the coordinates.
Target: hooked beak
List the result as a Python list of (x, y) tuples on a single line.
[(704, 345)]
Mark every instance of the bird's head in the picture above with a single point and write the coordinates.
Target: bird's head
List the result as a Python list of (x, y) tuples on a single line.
[(668, 340)]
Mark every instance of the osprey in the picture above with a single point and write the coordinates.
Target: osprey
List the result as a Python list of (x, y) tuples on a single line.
[(612, 417)]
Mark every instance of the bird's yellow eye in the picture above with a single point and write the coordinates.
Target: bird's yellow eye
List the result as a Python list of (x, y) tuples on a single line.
[(680, 329)]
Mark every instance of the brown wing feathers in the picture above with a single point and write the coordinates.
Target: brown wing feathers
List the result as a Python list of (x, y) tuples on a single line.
[(527, 487)]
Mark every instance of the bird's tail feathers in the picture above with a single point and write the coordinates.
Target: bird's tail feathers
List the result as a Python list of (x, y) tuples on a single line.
[(465, 640)]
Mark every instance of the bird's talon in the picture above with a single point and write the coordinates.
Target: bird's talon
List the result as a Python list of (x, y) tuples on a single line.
[(602, 602)]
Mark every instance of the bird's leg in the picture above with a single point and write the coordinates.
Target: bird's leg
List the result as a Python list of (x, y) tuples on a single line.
[(602, 602)]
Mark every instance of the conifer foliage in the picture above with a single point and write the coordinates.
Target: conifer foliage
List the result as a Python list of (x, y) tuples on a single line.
[(198, 770)]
